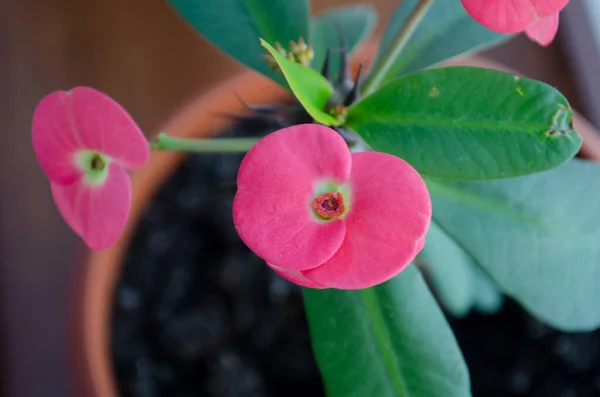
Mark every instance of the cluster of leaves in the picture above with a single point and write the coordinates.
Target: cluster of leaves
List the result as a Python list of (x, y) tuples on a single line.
[(510, 213)]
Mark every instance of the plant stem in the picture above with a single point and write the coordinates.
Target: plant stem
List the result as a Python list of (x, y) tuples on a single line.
[(384, 64), (223, 145)]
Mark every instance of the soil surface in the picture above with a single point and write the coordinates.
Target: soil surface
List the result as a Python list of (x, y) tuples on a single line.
[(195, 313)]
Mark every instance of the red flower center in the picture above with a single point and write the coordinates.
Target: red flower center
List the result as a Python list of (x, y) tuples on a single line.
[(329, 205)]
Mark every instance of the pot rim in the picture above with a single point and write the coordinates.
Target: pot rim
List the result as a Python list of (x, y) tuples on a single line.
[(96, 278)]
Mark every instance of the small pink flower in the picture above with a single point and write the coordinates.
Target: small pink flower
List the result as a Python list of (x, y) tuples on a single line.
[(537, 18), (323, 217), (84, 142)]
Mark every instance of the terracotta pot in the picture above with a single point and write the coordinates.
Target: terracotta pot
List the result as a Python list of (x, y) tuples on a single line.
[(95, 284)]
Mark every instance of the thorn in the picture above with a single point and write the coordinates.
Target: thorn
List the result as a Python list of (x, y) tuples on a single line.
[(325, 69), (354, 94), (344, 72), (263, 109), (274, 119)]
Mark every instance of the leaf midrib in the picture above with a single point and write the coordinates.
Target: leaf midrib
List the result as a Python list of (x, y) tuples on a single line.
[(383, 342), (446, 122), (466, 197)]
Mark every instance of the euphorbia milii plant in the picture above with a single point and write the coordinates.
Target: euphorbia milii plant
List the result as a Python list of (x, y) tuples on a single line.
[(405, 166)]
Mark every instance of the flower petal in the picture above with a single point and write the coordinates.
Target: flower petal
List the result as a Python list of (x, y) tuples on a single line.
[(65, 122), (276, 181), (293, 156), (502, 16), (97, 213), (544, 8), (54, 139), (386, 225), (296, 277), (543, 30), (61, 198), (103, 125), (511, 16)]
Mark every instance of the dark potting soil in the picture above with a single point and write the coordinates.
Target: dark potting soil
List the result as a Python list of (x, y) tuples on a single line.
[(195, 313)]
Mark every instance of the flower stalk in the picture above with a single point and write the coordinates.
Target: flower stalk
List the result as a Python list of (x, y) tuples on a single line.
[(222, 145), (384, 64)]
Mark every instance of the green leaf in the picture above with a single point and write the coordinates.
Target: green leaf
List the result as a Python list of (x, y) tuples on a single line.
[(234, 26), (459, 284), (468, 123), (356, 23), (387, 341), (445, 32), (537, 237), (449, 270), (488, 299), (311, 89)]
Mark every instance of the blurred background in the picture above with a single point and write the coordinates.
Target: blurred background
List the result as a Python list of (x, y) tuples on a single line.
[(140, 53)]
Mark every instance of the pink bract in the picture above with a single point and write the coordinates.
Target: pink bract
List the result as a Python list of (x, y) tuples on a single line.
[(543, 30), (386, 209), (85, 142), (515, 16), (276, 181), (296, 277)]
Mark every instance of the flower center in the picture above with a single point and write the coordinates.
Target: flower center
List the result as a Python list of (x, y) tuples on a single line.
[(329, 205), (97, 163), (93, 165)]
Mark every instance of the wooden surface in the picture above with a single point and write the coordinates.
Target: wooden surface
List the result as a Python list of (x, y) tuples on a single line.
[(143, 55)]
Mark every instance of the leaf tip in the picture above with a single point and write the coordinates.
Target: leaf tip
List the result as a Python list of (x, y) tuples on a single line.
[(562, 122)]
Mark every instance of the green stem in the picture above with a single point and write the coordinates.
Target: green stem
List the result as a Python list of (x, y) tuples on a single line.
[(222, 145), (384, 64)]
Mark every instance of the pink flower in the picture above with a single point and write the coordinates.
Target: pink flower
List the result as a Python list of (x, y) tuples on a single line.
[(322, 217), (85, 142), (537, 18)]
